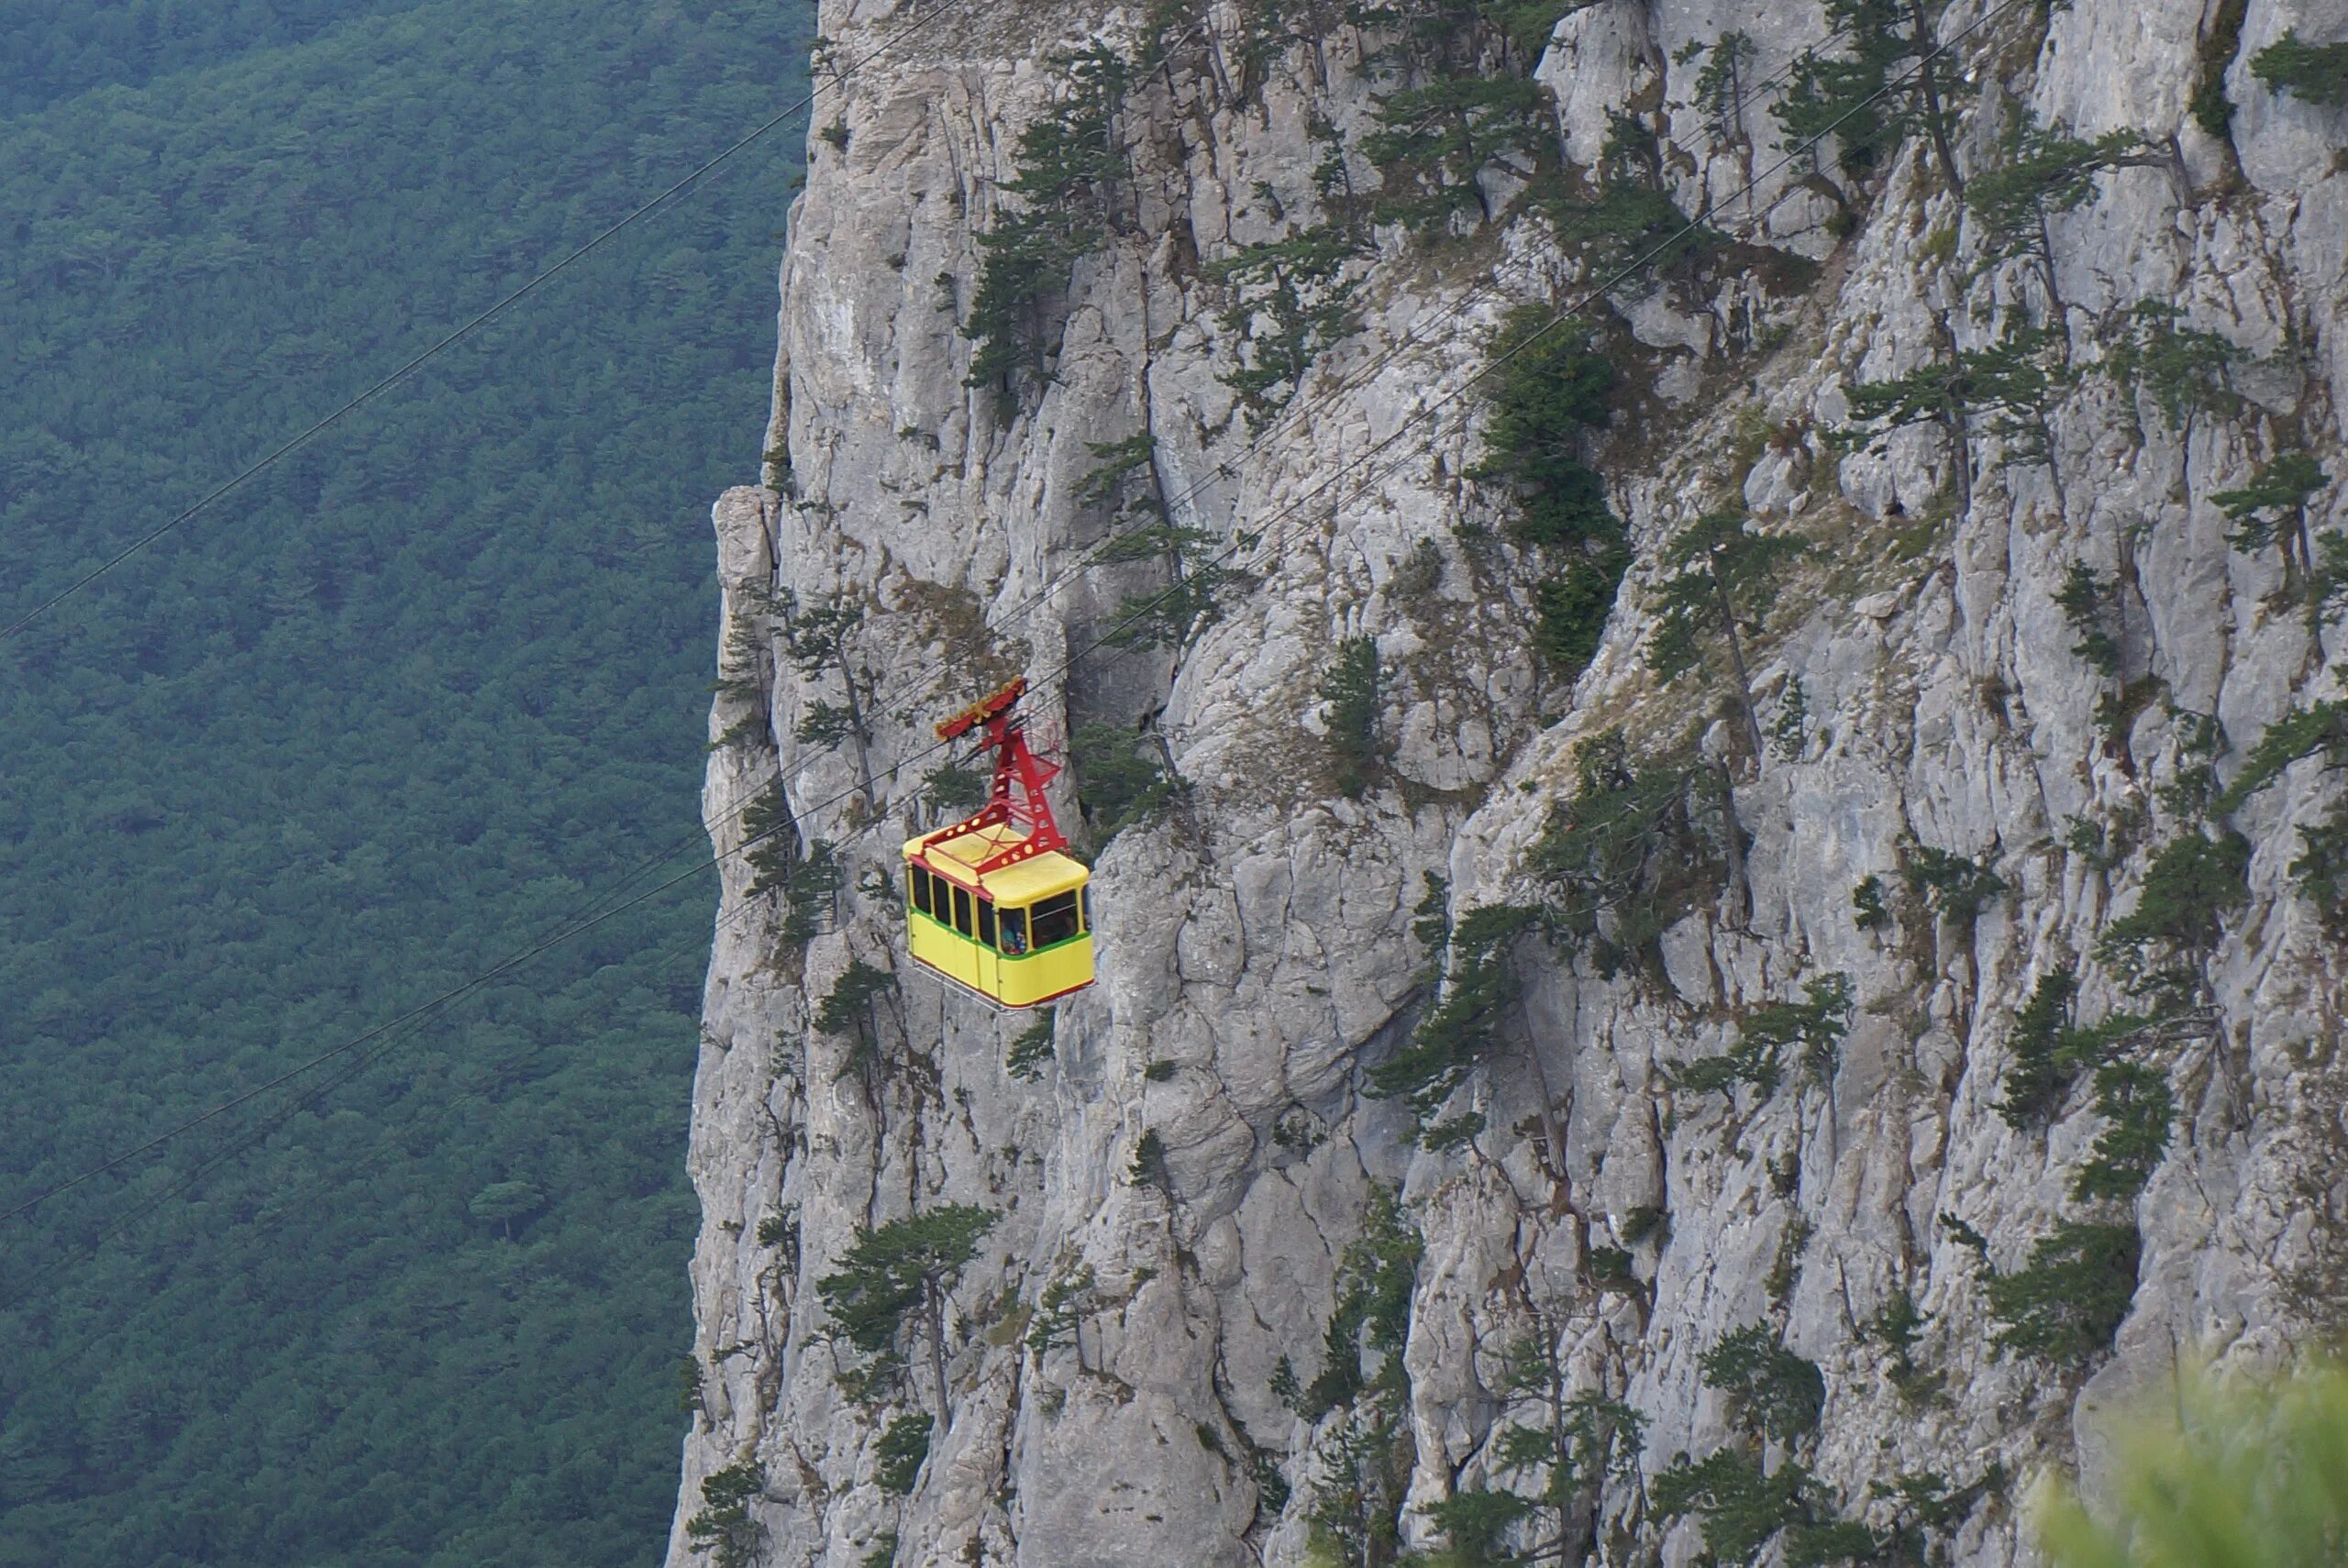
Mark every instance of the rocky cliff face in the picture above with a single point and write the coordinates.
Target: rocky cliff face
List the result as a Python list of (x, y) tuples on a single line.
[(1751, 1072)]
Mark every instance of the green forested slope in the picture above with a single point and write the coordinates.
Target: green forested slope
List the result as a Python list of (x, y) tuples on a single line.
[(347, 738), (52, 50)]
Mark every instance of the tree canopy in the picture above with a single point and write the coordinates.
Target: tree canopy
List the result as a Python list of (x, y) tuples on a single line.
[(346, 739)]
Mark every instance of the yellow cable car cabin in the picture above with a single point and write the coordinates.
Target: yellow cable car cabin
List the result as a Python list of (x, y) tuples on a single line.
[(1017, 936), (992, 903)]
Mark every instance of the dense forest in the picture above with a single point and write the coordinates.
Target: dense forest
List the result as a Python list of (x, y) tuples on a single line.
[(423, 693)]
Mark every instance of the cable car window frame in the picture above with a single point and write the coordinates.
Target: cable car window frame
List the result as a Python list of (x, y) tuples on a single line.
[(918, 876), (961, 909), (986, 921), (1011, 924), (1053, 909)]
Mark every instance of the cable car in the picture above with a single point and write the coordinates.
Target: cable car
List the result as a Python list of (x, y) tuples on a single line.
[(992, 905)]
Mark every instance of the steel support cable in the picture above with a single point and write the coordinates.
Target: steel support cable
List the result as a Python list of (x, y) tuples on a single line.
[(459, 333), (1057, 674)]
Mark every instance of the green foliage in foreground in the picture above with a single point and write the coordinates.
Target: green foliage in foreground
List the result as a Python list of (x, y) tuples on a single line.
[(2245, 1475), (347, 738)]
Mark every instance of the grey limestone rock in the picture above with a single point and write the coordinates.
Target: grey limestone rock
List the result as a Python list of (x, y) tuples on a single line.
[(1927, 702)]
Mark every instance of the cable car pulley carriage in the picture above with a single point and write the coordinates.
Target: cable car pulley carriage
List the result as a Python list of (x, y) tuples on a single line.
[(992, 903)]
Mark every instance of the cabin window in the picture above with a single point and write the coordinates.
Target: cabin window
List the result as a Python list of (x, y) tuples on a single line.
[(962, 911), (921, 888), (1014, 932), (1054, 920), (986, 921)]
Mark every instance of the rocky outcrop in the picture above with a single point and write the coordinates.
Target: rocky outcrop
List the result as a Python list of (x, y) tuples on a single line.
[(1781, 1178)]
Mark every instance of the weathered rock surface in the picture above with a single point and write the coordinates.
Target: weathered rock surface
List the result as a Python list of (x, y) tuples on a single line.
[(1916, 667)]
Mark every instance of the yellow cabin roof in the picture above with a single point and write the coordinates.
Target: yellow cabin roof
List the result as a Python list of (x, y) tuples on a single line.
[(1038, 878)]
